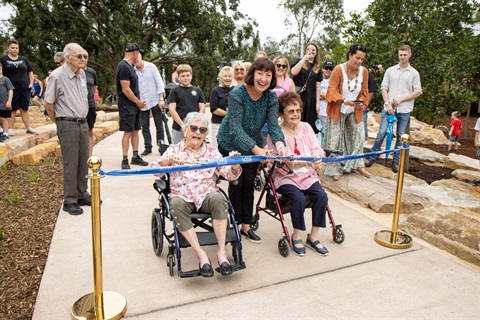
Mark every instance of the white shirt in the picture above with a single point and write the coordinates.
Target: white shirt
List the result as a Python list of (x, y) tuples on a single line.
[(322, 104), (477, 128), (401, 82), (351, 95), (150, 84)]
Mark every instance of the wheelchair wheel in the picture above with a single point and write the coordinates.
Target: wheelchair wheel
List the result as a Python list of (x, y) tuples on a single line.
[(283, 247), (171, 263), (259, 182), (157, 232), (256, 222), (340, 236)]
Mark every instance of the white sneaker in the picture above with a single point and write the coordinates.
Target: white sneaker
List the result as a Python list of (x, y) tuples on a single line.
[(31, 131), (11, 132)]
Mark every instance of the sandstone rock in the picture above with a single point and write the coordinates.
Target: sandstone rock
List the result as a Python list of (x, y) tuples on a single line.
[(427, 156), (428, 135), (453, 229), (34, 154), (467, 175), (379, 196), (449, 197), (455, 161), (108, 126), (459, 186)]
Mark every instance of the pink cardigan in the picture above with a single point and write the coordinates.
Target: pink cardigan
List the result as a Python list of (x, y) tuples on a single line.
[(307, 144), (335, 97)]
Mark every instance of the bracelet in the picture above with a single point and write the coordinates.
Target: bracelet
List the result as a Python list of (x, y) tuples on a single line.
[(281, 147)]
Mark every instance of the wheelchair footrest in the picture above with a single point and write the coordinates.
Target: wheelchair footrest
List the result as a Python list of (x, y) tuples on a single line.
[(189, 274), (208, 238)]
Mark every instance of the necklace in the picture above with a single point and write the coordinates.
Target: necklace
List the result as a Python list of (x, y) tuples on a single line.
[(348, 80)]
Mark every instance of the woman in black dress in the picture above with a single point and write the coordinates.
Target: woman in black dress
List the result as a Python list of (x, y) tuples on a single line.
[(307, 75)]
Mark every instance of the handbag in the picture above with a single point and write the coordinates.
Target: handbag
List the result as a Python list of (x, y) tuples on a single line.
[(301, 89)]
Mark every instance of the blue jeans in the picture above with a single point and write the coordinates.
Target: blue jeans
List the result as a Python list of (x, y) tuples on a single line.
[(402, 122)]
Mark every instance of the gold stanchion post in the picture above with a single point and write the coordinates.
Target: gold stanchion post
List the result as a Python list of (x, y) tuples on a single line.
[(394, 239), (99, 304)]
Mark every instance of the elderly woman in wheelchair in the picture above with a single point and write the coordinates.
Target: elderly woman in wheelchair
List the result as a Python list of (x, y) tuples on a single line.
[(302, 179), (196, 190)]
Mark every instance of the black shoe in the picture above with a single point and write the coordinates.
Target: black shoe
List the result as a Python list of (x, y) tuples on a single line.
[(369, 162), (394, 167), (251, 236), (314, 246), (299, 251), (139, 161), (72, 208), (206, 270), (125, 165), (226, 269), (3, 137), (85, 202), (146, 152)]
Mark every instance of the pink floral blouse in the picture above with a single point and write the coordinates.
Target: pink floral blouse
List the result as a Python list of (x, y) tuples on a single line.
[(194, 185)]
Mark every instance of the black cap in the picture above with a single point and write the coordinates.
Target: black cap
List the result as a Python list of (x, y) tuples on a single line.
[(133, 46), (329, 64)]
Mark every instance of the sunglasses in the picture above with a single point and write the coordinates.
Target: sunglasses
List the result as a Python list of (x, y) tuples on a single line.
[(295, 149), (292, 111), (202, 130), (239, 69), (80, 56), (281, 66), (328, 68)]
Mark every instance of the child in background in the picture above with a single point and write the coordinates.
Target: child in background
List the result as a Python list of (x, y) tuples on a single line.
[(455, 129), (6, 96)]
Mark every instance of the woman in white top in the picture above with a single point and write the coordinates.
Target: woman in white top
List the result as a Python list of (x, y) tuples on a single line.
[(346, 94)]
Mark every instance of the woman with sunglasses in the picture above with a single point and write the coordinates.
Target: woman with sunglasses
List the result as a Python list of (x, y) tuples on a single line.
[(238, 72), (196, 190), (307, 75), (346, 94), (249, 106), (303, 178), (284, 82)]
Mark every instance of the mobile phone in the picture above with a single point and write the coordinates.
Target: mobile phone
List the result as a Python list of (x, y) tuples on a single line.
[(358, 100)]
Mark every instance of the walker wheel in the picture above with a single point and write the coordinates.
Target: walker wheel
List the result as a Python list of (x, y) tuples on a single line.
[(157, 232), (256, 223), (339, 237), (259, 182), (283, 247), (170, 263)]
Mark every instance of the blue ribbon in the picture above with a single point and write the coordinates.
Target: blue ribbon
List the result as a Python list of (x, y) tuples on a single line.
[(227, 161)]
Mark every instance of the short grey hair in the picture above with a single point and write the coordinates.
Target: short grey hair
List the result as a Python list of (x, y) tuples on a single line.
[(195, 116), (69, 48), (59, 57)]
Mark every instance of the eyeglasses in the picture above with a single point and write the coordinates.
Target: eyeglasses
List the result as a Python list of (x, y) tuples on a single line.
[(292, 111), (281, 66), (202, 130), (295, 149), (80, 56)]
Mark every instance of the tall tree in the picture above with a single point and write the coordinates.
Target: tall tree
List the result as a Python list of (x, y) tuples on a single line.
[(443, 44), (312, 18), (189, 31)]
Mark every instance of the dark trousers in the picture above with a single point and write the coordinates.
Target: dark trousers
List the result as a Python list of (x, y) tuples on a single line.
[(74, 144), (298, 203), (145, 123), (242, 194)]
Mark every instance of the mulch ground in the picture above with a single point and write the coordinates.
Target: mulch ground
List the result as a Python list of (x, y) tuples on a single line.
[(30, 200)]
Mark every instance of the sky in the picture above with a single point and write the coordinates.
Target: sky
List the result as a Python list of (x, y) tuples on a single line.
[(271, 19)]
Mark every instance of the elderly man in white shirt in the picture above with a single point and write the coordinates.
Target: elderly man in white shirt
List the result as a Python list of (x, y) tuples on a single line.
[(152, 89), (400, 87)]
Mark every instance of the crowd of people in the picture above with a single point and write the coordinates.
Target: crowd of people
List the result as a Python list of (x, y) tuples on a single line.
[(267, 107)]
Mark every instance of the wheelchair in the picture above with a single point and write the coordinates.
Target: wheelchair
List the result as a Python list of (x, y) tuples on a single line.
[(175, 239), (277, 206)]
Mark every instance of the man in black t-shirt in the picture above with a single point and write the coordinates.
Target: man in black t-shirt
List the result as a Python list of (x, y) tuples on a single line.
[(129, 104)]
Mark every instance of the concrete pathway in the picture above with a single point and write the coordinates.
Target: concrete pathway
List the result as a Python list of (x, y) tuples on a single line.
[(359, 279)]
